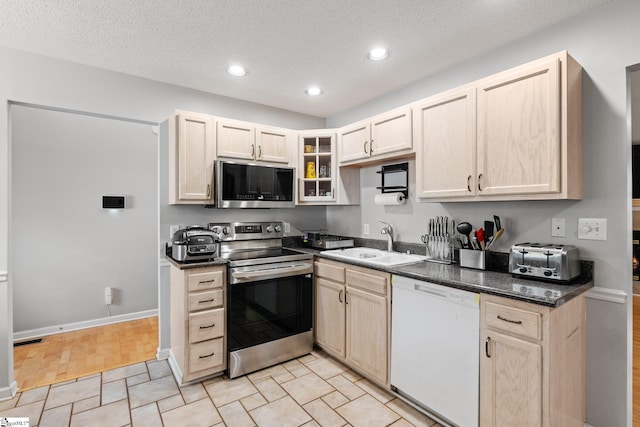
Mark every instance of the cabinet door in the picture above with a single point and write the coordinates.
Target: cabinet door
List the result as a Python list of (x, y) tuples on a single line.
[(330, 315), (391, 132), (236, 139), (196, 148), (510, 382), (519, 137), (367, 333), (354, 142), (444, 131), (272, 145)]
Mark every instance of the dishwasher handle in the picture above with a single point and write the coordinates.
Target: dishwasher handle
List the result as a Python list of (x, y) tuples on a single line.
[(430, 291)]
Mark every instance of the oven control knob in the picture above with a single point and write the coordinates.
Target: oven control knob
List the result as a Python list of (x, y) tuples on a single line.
[(215, 230), (548, 273), (225, 230), (269, 229), (523, 269), (278, 228)]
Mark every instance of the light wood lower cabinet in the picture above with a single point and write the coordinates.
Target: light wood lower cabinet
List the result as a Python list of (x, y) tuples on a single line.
[(198, 303), (352, 317), (532, 363)]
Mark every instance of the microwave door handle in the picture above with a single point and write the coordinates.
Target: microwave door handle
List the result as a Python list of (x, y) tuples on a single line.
[(252, 276)]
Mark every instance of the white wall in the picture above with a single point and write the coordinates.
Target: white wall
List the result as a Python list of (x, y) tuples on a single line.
[(38, 80), (605, 42), (66, 249)]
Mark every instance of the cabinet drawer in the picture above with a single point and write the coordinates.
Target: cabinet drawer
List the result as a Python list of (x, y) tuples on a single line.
[(206, 325), (368, 282), (331, 272), (208, 299), (206, 355), (514, 320), (205, 280)]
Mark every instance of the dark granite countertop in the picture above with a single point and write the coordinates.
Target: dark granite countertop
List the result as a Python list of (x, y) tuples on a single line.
[(488, 282), (198, 264)]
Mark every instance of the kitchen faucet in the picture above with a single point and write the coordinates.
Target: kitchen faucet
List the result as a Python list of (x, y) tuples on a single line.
[(388, 230)]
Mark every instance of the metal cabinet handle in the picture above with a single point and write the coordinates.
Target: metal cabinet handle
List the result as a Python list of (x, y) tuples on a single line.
[(371, 146), (365, 147), (469, 183), (206, 301), (346, 293), (479, 178), (208, 327), (504, 319), (208, 355), (208, 190), (253, 150), (259, 151), (202, 282), (340, 295), (487, 343)]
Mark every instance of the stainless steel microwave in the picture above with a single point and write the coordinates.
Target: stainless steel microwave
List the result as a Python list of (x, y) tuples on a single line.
[(248, 185)]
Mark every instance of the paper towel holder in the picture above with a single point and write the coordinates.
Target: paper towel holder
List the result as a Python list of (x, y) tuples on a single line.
[(395, 179)]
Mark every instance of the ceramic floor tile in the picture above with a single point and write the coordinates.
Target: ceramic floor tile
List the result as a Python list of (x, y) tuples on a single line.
[(235, 415), (281, 413), (307, 388), (323, 414), (151, 391), (170, 403), (253, 401), (73, 392), (335, 399), (306, 358), (146, 416), (402, 423), (273, 370), (375, 391), (61, 383), (409, 413), (158, 369), (113, 391), (346, 387), (193, 392), (124, 372), (112, 415), (352, 375), (283, 378), (86, 404), (55, 417), (312, 423), (227, 391), (30, 410), (138, 379), (270, 389), (10, 403), (367, 411), (326, 368), (34, 395), (201, 413), (296, 368)]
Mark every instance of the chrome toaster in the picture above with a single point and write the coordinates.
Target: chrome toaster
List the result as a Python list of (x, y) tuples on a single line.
[(545, 261)]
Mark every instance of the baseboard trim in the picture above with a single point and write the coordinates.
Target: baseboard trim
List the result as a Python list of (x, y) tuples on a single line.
[(7, 393), (67, 327), (605, 294), (162, 353), (173, 364)]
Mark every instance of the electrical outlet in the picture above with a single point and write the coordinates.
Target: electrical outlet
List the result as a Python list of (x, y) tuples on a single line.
[(558, 227), (287, 227), (173, 229), (108, 295), (365, 229), (592, 228)]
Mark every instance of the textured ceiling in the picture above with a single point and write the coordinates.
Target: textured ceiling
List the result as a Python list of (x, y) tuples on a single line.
[(287, 45)]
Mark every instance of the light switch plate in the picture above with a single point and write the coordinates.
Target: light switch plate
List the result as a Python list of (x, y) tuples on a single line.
[(558, 227), (592, 228)]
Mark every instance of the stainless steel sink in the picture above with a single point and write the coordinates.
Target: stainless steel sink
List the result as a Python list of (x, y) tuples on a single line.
[(374, 256)]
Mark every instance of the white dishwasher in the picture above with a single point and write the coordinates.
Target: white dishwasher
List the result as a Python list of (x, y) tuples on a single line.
[(435, 332)]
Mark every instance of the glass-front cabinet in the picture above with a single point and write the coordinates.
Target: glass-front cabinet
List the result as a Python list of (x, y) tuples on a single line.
[(317, 168)]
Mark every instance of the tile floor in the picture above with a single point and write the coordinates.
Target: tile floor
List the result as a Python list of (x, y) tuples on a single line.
[(313, 390)]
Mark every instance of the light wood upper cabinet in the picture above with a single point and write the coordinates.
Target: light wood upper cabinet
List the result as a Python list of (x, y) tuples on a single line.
[(247, 141), (532, 363), (522, 130), (446, 156), (384, 136), (192, 147)]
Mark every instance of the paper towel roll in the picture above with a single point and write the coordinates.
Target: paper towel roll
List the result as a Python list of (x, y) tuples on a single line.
[(389, 199)]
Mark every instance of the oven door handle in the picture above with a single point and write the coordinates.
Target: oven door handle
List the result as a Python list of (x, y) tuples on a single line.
[(254, 276)]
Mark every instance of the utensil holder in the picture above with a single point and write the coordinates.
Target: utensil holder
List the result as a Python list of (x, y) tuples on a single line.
[(439, 249), (473, 259)]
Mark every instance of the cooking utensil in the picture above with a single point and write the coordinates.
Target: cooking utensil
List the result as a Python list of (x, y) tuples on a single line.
[(480, 237), (488, 230), (496, 237), (465, 229), (496, 220)]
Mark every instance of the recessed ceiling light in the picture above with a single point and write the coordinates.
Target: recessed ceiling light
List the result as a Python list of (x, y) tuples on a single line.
[(314, 91), (378, 53), (237, 70)]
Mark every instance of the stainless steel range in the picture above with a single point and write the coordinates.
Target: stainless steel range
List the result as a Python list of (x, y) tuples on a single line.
[(269, 296)]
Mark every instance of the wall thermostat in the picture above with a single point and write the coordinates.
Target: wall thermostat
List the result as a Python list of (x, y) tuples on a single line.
[(112, 202)]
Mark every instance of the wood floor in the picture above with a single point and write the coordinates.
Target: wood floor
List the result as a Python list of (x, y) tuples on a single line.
[(75, 354)]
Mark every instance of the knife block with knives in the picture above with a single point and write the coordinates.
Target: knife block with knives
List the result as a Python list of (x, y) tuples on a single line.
[(439, 240)]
